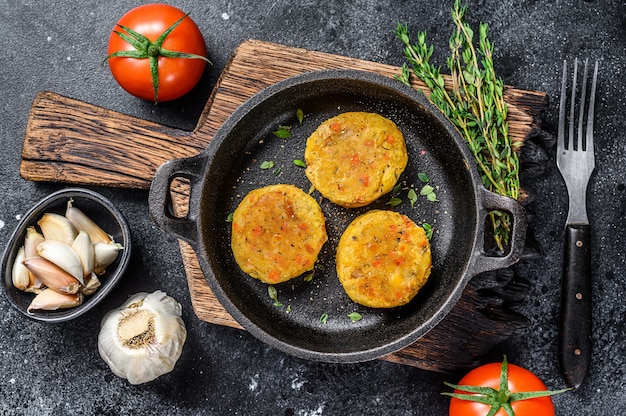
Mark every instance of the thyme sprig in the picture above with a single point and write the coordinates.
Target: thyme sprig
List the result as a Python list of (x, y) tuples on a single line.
[(474, 102)]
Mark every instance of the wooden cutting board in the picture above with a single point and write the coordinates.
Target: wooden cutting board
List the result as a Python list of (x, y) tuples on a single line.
[(75, 142)]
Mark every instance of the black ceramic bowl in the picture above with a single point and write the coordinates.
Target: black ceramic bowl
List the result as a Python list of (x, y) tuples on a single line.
[(103, 213)]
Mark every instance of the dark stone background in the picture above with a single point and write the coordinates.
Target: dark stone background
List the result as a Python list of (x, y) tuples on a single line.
[(60, 46)]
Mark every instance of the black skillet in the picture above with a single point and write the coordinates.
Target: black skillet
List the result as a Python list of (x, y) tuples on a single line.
[(311, 319)]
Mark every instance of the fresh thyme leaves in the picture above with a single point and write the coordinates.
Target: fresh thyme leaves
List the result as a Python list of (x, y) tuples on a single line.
[(428, 229), (300, 163), (324, 318), (429, 192), (268, 164), (474, 102), (355, 316), (412, 195), (283, 132), (273, 293), (299, 115), (394, 201)]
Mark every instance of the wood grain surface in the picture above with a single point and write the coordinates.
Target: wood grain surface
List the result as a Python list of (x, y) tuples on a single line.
[(64, 143)]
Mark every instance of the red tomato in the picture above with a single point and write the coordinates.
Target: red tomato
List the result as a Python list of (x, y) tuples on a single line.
[(519, 380), (176, 76)]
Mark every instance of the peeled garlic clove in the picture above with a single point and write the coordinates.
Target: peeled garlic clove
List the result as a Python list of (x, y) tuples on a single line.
[(19, 274), (51, 300), (144, 338), (63, 256), (105, 255), (52, 275), (83, 246), (57, 227), (83, 223), (92, 283), (31, 242)]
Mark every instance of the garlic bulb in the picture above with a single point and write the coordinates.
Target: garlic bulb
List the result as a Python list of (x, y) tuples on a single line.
[(143, 339)]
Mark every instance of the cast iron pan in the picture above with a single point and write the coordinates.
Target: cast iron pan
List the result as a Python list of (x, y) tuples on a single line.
[(231, 166)]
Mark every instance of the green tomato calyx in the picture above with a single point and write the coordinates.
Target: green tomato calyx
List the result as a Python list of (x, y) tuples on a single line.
[(146, 49), (502, 398)]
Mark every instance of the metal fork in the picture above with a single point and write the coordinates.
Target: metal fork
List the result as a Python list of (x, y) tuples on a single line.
[(576, 162)]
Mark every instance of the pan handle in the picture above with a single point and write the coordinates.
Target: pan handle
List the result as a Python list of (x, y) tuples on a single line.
[(492, 201), (160, 200)]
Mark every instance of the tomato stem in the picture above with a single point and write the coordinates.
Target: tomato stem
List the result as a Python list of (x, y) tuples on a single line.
[(497, 399), (144, 48)]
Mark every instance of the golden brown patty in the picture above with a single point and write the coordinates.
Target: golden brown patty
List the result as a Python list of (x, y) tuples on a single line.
[(354, 158), (383, 259), (278, 232)]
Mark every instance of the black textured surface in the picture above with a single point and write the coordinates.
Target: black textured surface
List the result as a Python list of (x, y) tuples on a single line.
[(55, 369)]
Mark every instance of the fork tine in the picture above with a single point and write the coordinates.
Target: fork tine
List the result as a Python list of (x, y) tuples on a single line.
[(590, 114), (560, 143), (580, 144), (572, 110)]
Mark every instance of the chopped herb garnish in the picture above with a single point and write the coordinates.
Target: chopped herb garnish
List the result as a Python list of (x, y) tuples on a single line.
[(423, 177), (308, 277), (428, 229), (355, 316), (412, 195), (394, 202), (278, 171), (299, 115), (427, 189), (324, 318), (229, 218), (429, 192), (299, 163), (268, 164), (271, 290), (396, 190), (283, 132)]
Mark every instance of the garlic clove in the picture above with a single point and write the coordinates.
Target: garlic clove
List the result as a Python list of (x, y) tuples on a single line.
[(83, 223), (19, 274), (143, 339), (105, 254), (52, 275), (63, 256), (92, 283), (57, 227), (31, 242), (51, 300), (83, 246)]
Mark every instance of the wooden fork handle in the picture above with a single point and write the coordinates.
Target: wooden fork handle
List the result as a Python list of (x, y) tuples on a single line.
[(575, 319)]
